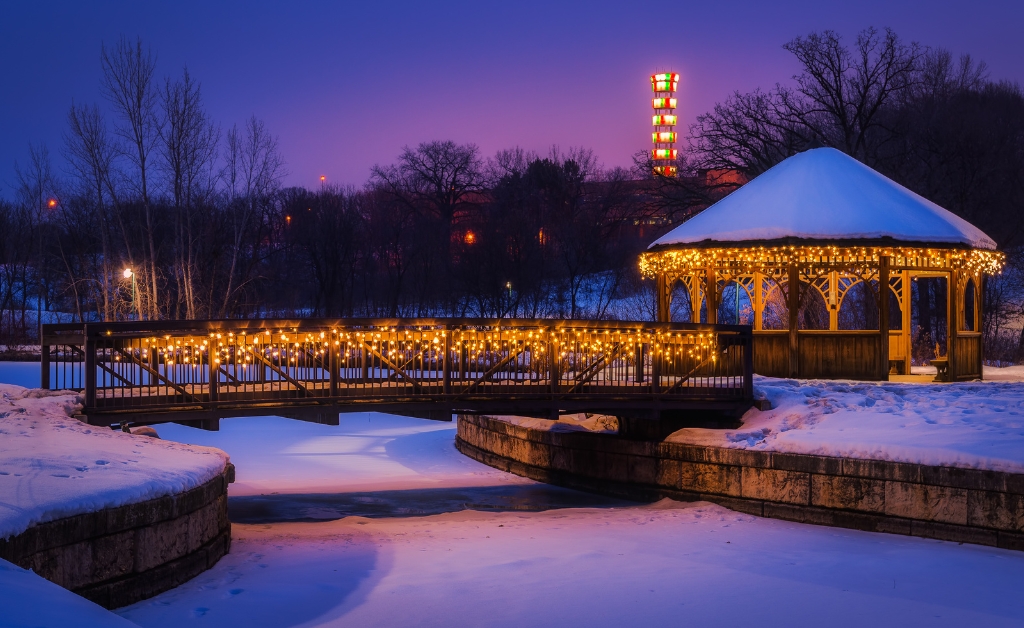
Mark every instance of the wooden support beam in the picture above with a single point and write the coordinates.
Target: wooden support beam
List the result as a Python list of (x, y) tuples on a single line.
[(883, 318), (145, 367), (953, 300), (758, 301), (391, 365), (663, 298), (793, 294), (595, 367), (494, 369), (905, 304), (273, 367), (446, 362), (711, 296)]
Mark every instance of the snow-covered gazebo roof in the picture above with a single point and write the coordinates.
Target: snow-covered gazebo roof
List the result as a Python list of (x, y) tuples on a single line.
[(824, 196)]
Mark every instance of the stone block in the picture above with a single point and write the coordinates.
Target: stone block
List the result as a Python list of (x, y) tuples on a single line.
[(830, 491), (709, 478), (989, 509), (974, 479), (668, 473), (807, 464), (791, 487), (881, 470), (159, 544), (954, 533), (643, 470), (1010, 540), (926, 503), (803, 514), (113, 556)]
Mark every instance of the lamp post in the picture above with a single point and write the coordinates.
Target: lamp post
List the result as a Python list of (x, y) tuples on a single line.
[(128, 274)]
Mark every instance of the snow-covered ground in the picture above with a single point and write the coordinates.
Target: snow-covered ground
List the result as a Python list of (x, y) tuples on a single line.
[(658, 564), (29, 600), (54, 466), (663, 564), (972, 424)]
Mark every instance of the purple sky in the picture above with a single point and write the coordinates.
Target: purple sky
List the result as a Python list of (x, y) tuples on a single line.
[(346, 85)]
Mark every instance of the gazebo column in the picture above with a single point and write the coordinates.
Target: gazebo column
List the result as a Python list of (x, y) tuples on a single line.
[(793, 288), (696, 294), (905, 305), (883, 317), (663, 298), (758, 303), (711, 295), (953, 300), (833, 300)]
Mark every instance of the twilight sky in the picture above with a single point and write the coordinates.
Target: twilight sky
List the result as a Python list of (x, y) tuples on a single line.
[(345, 85)]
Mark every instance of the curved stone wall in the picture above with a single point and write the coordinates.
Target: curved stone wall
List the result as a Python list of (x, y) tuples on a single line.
[(949, 503), (118, 556)]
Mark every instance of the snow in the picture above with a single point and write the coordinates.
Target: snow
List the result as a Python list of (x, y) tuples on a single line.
[(823, 194), (662, 564), (28, 600), (366, 452), (625, 565), (657, 564), (53, 466), (977, 425)]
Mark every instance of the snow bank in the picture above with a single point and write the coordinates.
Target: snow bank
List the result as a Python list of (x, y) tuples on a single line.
[(599, 423), (28, 600), (53, 466), (667, 564), (367, 451), (977, 425)]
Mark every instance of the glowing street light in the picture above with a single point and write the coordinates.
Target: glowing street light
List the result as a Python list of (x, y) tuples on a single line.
[(52, 203), (128, 274)]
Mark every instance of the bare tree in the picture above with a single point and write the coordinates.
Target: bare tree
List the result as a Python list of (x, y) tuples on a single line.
[(89, 155), (254, 163), (188, 149), (128, 86)]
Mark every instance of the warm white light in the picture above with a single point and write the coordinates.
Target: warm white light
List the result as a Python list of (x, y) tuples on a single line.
[(127, 273)]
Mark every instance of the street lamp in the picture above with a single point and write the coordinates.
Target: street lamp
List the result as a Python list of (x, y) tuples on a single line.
[(128, 274)]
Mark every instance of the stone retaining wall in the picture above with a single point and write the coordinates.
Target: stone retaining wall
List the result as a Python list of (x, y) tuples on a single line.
[(949, 503), (119, 556)]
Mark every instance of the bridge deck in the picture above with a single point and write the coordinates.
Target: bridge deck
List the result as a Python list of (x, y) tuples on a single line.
[(157, 370)]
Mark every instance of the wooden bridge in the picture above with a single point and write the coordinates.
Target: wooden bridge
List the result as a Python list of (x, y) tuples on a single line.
[(197, 372)]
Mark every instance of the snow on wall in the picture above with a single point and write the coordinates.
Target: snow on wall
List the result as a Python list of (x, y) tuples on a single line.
[(823, 194), (976, 425), (53, 466)]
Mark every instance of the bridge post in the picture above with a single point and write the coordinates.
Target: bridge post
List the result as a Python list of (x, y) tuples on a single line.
[(332, 364), (212, 372), (90, 367), (638, 375), (655, 369), (553, 366), (446, 361), (44, 361), (364, 354)]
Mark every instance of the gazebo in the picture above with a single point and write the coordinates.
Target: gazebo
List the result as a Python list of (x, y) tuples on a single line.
[(836, 230)]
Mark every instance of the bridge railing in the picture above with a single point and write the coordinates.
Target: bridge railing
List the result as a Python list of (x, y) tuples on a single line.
[(203, 365)]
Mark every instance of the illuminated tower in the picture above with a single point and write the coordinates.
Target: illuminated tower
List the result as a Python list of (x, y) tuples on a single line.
[(664, 152)]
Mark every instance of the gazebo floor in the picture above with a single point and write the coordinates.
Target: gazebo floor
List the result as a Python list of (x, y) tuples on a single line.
[(916, 378)]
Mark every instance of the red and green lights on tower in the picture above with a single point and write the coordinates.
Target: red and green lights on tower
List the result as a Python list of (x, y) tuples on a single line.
[(664, 103)]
